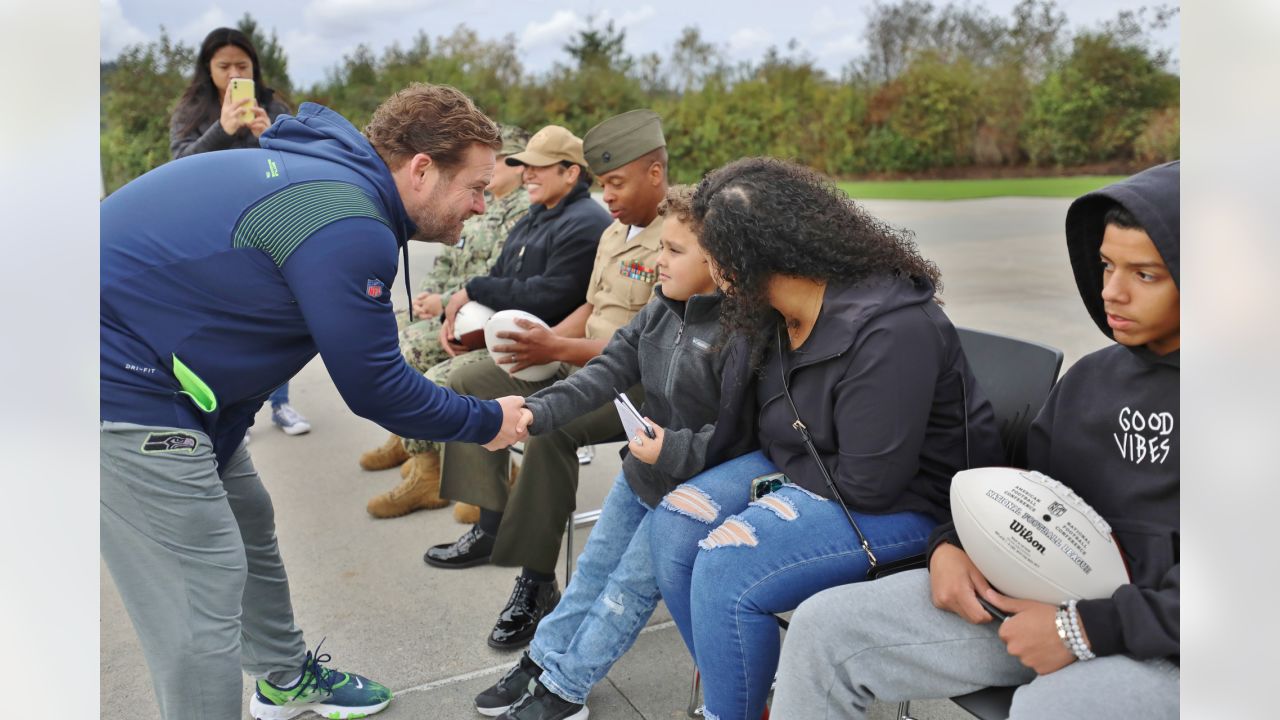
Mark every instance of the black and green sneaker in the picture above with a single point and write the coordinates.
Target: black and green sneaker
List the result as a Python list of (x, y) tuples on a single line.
[(328, 693)]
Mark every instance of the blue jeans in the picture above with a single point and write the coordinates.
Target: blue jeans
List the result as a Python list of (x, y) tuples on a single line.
[(280, 395), (606, 604), (725, 566)]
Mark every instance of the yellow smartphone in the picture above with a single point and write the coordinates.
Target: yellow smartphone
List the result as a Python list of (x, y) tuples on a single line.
[(242, 89)]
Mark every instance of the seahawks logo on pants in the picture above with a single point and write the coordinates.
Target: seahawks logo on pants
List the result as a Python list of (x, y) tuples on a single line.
[(160, 442)]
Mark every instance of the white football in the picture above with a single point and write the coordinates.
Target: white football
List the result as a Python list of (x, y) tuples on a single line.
[(1033, 538), (505, 321), (468, 324)]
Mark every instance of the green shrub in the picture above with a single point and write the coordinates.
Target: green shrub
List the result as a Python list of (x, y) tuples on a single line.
[(1160, 139)]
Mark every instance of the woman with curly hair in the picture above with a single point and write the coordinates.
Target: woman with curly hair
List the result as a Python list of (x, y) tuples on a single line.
[(842, 306)]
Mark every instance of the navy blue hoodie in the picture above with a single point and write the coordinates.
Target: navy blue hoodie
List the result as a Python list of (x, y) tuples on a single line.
[(223, 274), (1110, 431)]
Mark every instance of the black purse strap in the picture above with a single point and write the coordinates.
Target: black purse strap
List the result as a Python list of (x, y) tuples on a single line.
[(801, 428)]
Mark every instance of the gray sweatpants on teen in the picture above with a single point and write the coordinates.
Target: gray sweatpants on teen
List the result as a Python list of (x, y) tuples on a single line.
[(885, 641), (192, 549)]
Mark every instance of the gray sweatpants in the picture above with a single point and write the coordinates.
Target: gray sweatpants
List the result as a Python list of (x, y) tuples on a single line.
[(885, 641), (192, 549)]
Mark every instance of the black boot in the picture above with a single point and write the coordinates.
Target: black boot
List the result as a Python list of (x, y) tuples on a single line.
[(530, 602), (473, 548)]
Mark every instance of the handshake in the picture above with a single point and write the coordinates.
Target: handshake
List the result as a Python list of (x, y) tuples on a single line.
[(516, 419)]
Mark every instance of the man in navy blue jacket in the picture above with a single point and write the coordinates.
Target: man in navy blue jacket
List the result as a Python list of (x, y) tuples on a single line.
[(222, 275)]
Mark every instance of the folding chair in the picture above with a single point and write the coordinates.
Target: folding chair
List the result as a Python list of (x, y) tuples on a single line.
[(1016, 376)]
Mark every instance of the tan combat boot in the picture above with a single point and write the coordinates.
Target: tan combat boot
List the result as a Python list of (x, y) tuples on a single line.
[(420, 490), (389, 455), (468, 514)]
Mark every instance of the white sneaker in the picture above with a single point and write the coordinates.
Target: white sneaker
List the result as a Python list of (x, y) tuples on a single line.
[(586, 454), (289, 420)]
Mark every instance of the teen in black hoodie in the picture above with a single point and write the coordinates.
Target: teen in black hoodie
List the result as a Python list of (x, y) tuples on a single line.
[(1109, 430)]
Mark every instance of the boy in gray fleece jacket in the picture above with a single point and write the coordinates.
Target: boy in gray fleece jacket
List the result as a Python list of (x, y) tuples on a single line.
[(672, 347)]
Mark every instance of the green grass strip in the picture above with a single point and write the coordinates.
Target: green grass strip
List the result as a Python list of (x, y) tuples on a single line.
[(1065, 187)]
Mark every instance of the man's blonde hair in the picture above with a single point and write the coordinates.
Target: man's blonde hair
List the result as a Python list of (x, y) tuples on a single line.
[(436, 120)]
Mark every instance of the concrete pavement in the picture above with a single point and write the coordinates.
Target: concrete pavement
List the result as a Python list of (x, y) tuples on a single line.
[(360, 583)]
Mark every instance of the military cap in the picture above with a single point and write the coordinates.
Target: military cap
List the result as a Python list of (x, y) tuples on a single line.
[(514, 138), (549, 146), (621, 139)]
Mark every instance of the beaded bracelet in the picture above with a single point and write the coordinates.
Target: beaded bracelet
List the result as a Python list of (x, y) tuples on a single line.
[(1068, 621)]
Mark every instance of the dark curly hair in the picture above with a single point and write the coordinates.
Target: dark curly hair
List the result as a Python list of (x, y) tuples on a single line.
[(762, 217)]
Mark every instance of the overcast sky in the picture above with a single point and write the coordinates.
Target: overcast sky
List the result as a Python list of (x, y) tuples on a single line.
[(317, 33)]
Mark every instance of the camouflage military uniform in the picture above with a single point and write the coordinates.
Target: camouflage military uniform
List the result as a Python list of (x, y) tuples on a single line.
[(482, 239)]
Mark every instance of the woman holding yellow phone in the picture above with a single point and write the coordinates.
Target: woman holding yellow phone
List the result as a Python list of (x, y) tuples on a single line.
[(226, 105)]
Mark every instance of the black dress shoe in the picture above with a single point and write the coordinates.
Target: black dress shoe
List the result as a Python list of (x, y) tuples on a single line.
[(530, 602), (472, 549)]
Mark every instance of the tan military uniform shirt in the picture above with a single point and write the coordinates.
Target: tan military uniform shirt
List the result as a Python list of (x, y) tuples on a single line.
[(623, 278)]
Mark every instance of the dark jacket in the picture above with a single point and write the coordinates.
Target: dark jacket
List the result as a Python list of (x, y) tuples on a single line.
[(671, 348), (241, 266), (1110, 431), (547, 261), (884, 388), (208, 134)]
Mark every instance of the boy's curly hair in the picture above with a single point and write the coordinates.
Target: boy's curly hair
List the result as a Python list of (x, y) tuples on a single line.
[(678, 204)]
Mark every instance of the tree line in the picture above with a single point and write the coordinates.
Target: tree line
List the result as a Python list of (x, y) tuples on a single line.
[(938, 88)]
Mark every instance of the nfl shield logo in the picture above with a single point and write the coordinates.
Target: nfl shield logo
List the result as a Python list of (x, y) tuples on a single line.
[(374, 288)]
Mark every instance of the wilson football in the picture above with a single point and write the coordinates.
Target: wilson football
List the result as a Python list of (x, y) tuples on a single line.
[(1033, 538)]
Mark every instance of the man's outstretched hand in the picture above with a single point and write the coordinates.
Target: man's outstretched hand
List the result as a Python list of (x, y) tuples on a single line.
[(515, 423)]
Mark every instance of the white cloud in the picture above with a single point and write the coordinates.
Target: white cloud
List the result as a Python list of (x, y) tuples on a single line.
[(748, 41), (555, 30), (310, 55), (631, 18), (117, 32), (194, 32), (344, 17), (827, 22), (845, 46), (564, 23)]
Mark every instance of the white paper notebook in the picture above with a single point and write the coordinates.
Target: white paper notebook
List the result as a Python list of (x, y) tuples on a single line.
[(632, 421)]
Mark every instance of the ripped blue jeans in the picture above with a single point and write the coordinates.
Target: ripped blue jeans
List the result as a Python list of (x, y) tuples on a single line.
[(725, 566), (608, 600)]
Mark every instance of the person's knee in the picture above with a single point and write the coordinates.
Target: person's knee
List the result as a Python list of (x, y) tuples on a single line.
[(681, 519), (689, 502), (479, 379), (1116, 686), (257, 520), (623, 596), (440, 373)]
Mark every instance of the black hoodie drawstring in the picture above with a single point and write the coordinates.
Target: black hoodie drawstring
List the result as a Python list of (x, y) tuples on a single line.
[(408, 287)]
